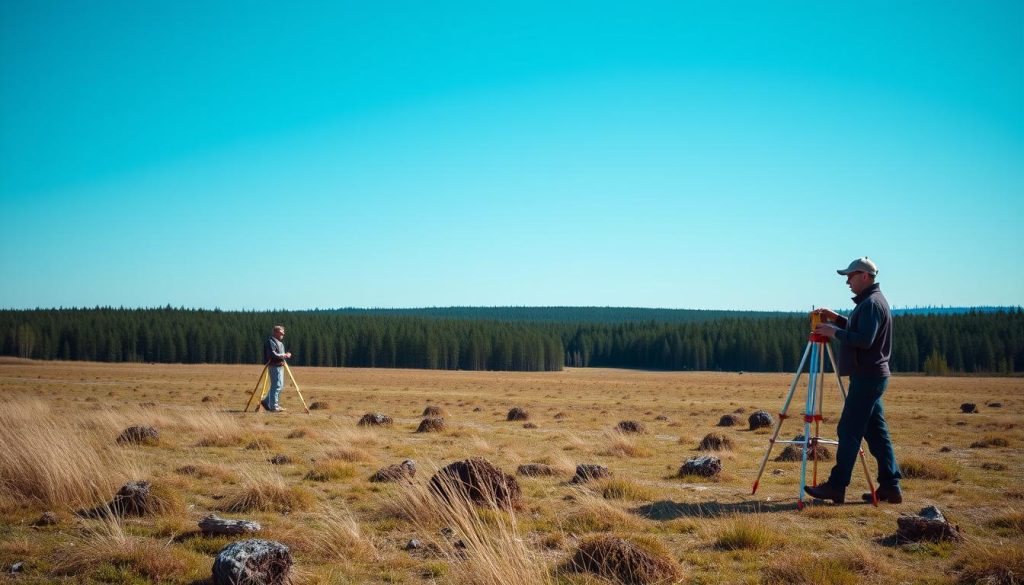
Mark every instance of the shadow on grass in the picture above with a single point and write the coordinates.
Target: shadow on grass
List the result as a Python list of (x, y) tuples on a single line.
[(667, 510)]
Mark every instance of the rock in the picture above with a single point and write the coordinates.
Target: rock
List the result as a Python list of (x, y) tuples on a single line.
[(133, 499), (535, 470), (478, 480), (281, 459), (928, 525), (661, 417), (375, 419), (623, 561), (729, 420), (477, 409), (968, 407), (995, 405), (586, 472), (413, 544), (431, 424), (517, 414), (395, 472), (529, 425), (139, 435), (434, 411), (759, 419), (252, 562), (704, 466), (208, 399), (945, 449), (215, 525), (16, 567), (319, 405), (630, 426), (715, 442), (47, 519)]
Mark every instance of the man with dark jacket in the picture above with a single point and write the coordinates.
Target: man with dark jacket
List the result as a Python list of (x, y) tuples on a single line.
[(865, 346), (274, 353)]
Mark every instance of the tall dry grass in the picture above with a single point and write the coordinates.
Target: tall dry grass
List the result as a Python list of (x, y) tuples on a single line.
[(493, 552), (105, 542), (57, 460), (338, 538)]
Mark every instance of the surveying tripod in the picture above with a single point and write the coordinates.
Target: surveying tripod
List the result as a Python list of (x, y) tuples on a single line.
[(264, 382), (817, 348)]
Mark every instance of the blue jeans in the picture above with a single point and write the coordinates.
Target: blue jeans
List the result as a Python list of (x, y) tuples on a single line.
[(864, 418), (276, 384)]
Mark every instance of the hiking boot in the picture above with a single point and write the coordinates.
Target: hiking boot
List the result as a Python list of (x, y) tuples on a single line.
[(827, 491), (891, 494), (276, 409)]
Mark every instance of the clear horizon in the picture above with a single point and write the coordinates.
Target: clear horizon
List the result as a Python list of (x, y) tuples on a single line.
[(656, 155)]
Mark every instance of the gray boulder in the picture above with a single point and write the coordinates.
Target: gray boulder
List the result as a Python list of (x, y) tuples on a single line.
[(929, 524), (253, 562), (760, 418), (704, 466)]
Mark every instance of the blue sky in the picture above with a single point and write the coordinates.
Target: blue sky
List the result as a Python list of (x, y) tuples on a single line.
[(723, 155)]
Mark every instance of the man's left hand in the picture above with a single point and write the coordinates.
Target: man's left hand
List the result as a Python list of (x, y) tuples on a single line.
[(826, 330)]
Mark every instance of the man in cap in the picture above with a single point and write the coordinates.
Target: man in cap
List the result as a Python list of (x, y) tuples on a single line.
[(865, 346), (273, 352)]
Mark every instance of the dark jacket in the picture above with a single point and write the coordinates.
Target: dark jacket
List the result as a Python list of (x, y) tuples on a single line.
[(273, 351), (865, 338)]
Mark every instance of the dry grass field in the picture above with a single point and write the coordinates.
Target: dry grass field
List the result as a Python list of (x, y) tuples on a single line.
[(58, 453)]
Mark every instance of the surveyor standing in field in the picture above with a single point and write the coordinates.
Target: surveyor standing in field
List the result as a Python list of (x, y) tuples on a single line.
[(274, 353), (865, 346)]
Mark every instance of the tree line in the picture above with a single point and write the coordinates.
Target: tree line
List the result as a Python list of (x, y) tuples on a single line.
[(972, 343)]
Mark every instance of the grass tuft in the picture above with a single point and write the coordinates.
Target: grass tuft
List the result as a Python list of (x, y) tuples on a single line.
[(624, 489), (991, 440), (619, 445), (267, 494), (330, 470), (915, 468), (746, 533)]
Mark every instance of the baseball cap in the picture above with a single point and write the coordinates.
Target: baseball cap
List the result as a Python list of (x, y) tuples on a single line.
[(861, 265)]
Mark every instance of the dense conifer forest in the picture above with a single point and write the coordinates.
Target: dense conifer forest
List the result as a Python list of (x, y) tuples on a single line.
[(973, 342)]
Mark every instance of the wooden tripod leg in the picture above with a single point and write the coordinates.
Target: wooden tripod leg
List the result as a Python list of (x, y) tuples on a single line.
[(296, 384), (265, 391), (782, 417), (254, 390), (867, 476)]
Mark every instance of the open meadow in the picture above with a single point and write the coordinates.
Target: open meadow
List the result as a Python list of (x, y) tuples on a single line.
[(305, 478)]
